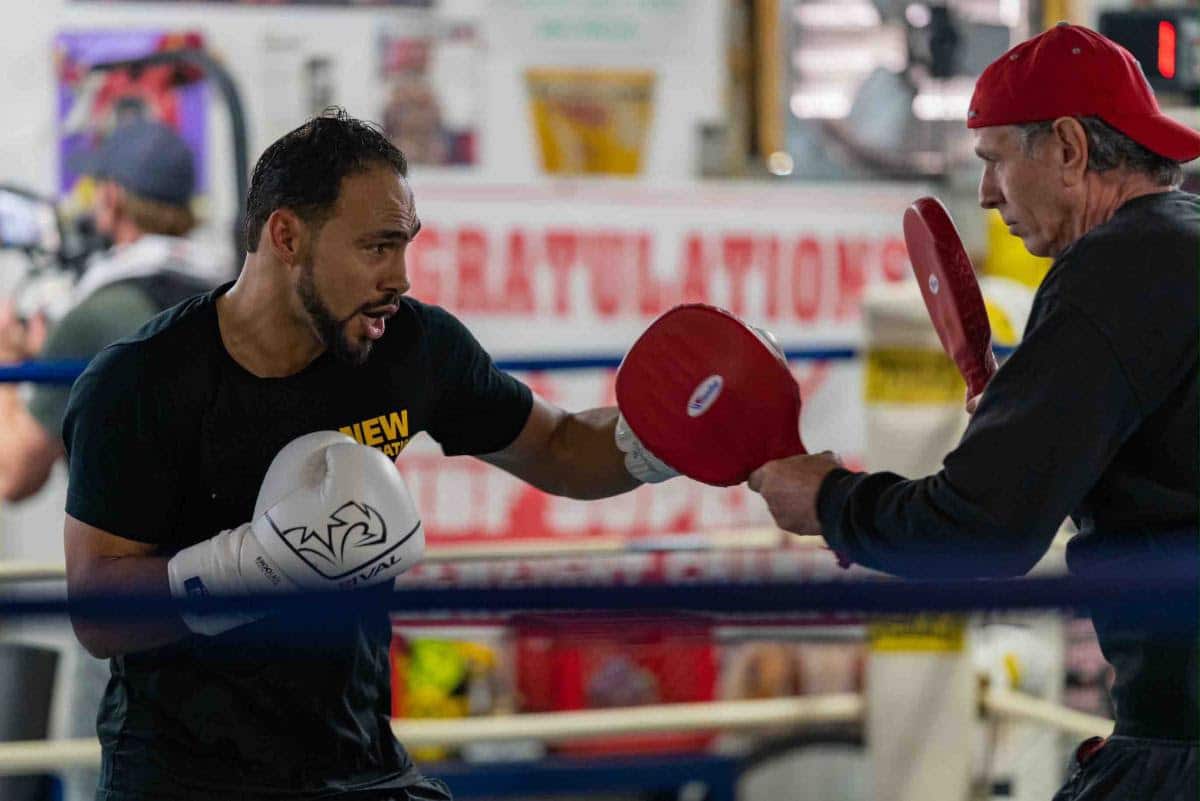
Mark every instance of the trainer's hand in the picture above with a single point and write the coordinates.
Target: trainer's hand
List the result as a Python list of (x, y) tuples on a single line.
[(790, 487), (973, 403)]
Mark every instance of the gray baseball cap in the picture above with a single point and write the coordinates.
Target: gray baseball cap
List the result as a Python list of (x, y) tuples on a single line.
[(147, 158)]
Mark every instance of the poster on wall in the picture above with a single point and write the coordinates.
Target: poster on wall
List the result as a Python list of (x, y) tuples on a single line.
[(92, 102), (618, 28), (431, 76), (303, 72), (591, 121), (614, 88)]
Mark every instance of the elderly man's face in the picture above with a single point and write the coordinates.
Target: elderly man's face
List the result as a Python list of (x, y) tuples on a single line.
[(1026, 189)]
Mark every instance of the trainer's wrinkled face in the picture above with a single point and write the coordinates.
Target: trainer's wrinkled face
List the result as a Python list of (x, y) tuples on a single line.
[(355, 274), (1026, 188)]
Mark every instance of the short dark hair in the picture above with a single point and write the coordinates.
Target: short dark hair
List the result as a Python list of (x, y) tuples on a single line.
[(1108, 149), (303, 170)]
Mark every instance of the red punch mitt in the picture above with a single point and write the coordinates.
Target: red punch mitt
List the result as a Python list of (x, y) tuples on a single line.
[(950, 290), (709, 396)]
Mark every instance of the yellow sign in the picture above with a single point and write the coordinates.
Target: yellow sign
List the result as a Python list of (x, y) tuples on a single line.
[(941, 633), (912, 375), (591, 121), (1007, 256), (1003, 331)]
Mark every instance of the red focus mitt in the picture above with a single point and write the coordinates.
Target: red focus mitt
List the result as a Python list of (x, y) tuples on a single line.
[(709, 396), (950, 290)]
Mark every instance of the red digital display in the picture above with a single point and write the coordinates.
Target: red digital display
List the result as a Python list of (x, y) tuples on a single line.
[(1166, 49)]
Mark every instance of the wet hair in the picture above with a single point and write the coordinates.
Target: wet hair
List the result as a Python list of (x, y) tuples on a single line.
[(1109, 149), (303, 170)]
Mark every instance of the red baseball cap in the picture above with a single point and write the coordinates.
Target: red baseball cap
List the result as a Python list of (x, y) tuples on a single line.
[(1070, 71)]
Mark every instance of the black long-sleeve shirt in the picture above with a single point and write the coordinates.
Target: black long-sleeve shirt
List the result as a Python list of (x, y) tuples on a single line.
[(1095, 416)]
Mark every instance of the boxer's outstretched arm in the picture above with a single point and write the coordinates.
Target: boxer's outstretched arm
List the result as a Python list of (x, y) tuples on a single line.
[(569, 454), (100, 562)]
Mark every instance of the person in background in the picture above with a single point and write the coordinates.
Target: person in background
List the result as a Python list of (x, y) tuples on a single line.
[(144, 180)]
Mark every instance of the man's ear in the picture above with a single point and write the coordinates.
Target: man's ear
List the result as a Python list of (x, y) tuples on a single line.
[(287, 236), (113, 194), (1070, 149)]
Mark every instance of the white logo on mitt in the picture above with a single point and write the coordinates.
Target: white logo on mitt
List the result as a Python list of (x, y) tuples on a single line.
[(705, 395)]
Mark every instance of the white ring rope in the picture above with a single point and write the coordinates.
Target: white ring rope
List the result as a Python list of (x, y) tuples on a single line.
[(14, 571), (1015, 706), (47, 756), (563, 726), (53, 755)]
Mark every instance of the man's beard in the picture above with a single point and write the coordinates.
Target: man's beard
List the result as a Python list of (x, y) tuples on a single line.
[(330, 330)]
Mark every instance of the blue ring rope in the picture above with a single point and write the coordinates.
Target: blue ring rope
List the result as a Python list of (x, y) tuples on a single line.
[(65, 371), (1168, 595)]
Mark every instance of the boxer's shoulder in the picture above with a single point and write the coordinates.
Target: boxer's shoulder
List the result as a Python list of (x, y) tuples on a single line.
[(174, 347)]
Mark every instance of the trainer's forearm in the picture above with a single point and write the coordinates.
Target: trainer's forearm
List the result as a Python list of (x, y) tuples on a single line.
[(589, 464), (143, 576)]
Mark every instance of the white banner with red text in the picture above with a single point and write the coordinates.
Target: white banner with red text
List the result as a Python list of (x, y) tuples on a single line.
[(580, 268)]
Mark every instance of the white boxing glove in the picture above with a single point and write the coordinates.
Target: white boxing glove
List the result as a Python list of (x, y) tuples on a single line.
[(331, 514), (639, 461)]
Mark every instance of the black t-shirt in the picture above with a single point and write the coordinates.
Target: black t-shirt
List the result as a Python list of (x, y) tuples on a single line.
[(112, 312), (168, 440), (1094, 416)]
